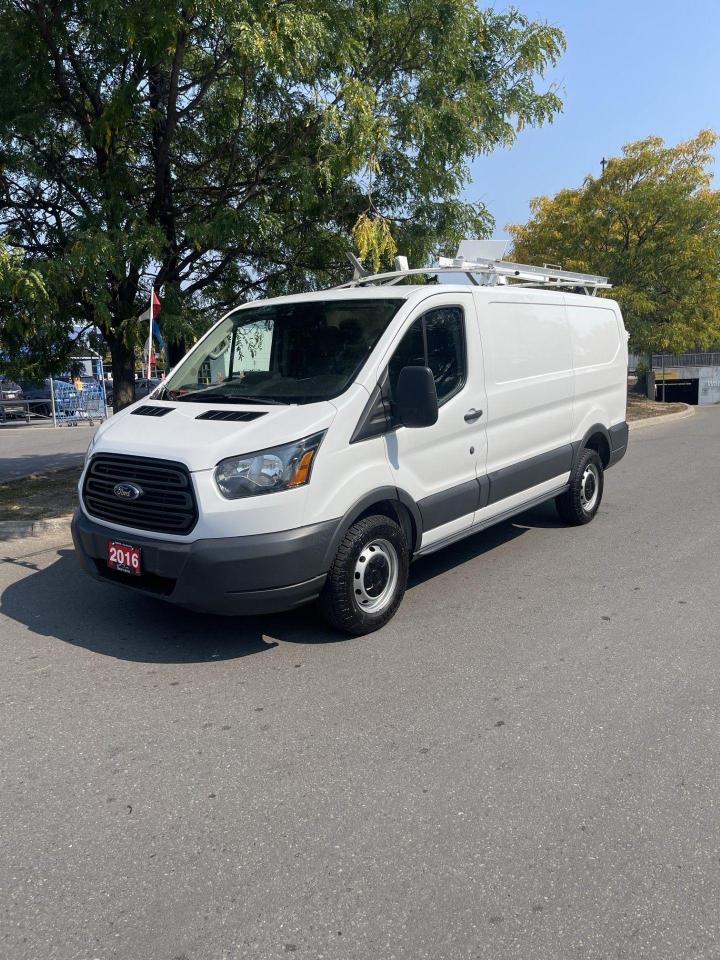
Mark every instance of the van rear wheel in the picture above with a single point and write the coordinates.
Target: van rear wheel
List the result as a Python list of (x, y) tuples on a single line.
[(581, 501), (367, 580)]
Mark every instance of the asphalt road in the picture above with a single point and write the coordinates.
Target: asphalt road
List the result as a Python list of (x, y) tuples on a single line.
[(523, 764), (30, 449)]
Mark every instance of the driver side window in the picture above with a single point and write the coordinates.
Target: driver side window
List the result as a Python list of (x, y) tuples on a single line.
[(435, 340)]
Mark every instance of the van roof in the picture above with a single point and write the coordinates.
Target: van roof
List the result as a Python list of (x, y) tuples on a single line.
[(411, 292)]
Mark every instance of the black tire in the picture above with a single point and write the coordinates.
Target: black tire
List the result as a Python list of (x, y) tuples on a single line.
[(377, 547), (580, 503)]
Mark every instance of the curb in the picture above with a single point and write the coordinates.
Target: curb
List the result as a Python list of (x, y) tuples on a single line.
[(21, 529), (647, 421)]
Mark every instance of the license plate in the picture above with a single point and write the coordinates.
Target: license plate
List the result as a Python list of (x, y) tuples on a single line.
[(121, 556)]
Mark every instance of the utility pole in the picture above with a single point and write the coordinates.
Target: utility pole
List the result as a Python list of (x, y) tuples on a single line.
[(603, 164)]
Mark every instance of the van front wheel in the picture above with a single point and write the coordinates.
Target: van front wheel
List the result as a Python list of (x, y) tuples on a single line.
[(581, 501), (367, 580)]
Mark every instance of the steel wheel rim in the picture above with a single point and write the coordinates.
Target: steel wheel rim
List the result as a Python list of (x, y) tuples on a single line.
[(375, 576), (590, 487)]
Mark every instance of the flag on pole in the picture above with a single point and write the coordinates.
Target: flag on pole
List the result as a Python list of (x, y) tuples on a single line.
[(156, 307), (157, 335), (149, 315)]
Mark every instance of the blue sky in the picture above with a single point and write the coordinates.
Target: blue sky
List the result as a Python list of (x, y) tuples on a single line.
[(631, 69)]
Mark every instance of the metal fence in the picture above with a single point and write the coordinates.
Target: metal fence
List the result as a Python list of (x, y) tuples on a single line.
[(661, 360), (14, 410), (62, 404)]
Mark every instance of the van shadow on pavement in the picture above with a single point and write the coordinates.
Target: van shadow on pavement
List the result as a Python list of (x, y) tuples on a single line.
[(484, 541), (61, 601)]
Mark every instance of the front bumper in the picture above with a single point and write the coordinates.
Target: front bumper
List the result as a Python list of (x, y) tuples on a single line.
[(264, 573)]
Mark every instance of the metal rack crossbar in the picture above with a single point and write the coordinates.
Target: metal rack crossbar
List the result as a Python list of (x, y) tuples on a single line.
[(486, 273)]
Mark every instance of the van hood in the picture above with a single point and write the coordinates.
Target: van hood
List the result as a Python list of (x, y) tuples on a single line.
[(201, 443)]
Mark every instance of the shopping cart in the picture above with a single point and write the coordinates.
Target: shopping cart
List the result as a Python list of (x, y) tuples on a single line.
[(74, 406)]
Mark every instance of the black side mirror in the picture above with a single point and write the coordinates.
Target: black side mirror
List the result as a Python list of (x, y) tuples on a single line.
[(416, 402)]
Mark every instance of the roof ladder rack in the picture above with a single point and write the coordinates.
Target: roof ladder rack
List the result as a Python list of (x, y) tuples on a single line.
[(549, 275), (485, 272)]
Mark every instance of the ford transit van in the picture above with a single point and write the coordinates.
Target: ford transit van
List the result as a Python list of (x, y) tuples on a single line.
[(310, 447)]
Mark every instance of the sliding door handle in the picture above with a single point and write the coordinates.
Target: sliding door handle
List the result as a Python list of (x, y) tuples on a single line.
[(472, 415)]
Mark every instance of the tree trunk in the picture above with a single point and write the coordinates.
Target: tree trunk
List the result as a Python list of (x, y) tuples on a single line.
[(123, 372), (650, 379), (650, 384)]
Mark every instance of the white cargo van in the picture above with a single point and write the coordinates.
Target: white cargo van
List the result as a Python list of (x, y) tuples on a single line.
[(311, 446)]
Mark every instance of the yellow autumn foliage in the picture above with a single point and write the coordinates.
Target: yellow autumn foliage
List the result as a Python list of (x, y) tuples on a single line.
[(374, 241)]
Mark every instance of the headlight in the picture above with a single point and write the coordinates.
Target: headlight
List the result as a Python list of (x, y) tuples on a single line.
[(279, 468)]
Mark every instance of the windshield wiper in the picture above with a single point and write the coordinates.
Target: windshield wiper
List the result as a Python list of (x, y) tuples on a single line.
[(202, 395), (242, 398)]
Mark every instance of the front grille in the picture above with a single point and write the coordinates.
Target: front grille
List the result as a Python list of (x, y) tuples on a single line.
[(148, 411), (243, 415), (167, 503)]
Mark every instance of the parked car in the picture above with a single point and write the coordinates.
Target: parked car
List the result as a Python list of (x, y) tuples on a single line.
[(361, 428), (38, 395), (143, 386), (9, 392)]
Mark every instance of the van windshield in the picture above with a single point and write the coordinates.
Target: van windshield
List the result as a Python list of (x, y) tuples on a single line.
[(283, 353)]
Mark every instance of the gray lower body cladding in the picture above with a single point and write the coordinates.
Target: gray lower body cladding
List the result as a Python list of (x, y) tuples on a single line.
[(466, 498), (234, 575), (618, 442)]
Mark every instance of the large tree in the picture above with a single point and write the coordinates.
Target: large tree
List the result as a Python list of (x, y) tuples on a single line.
[(29, 342), (226, 148), (651, 223)]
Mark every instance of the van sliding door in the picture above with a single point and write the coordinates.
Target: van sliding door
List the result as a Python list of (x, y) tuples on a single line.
[(530, 389)]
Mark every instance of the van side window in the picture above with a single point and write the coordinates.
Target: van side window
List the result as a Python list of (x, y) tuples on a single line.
[(435, 340)]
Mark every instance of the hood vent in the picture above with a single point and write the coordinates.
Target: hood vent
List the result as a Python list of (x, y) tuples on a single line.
[(243, 415), (148, 411)]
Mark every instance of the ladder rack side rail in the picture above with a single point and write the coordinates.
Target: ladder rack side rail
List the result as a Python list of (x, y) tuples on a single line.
[(525, 271), (396, 275), (523, 275)]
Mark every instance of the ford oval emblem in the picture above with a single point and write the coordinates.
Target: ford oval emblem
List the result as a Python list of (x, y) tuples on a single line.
[(127, 491)]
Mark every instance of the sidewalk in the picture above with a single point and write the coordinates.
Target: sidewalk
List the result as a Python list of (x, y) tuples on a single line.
[(42, 448)]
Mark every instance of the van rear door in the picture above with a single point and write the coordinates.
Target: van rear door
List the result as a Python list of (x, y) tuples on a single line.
[(600, 359)]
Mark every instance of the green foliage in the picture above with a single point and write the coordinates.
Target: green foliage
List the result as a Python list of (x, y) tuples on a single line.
[(651, 223), (27, 338), (218, 148), (19, 284)]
